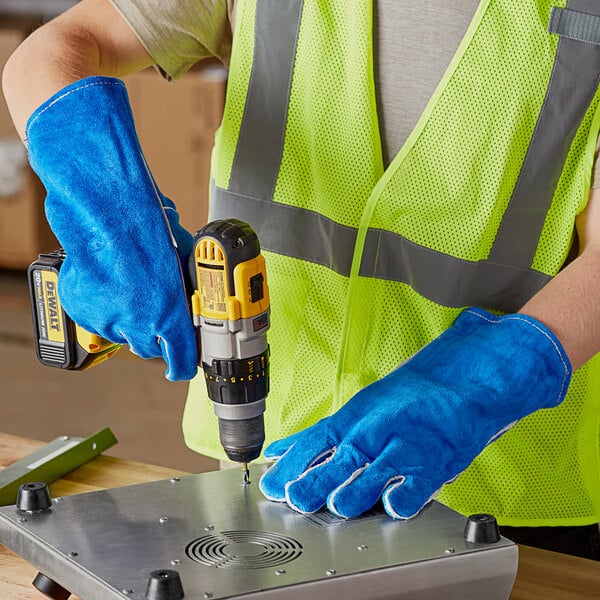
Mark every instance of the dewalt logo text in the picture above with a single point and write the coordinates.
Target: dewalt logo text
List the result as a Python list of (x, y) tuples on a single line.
[(52, 306), (51, 320)]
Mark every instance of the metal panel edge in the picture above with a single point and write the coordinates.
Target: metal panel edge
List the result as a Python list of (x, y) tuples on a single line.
[(424, 580), (51, 563)]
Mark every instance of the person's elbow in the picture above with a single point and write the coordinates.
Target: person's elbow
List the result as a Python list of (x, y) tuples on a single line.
[(91, 38), (49, 59)]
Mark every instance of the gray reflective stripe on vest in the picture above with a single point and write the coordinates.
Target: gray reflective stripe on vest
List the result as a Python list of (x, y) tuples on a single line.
[(505, 281), (288, 230), (260, 143), (448, 280), (442, 278), (572, 87)]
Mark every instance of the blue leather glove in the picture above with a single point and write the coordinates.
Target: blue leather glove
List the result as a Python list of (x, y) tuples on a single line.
[(404, 436), (122, 277)]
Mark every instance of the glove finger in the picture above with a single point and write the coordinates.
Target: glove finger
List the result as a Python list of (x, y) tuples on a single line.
[(405, 498), (309, 448), (278, 448), (362, 490), (181, 356), (275, 450), (310, 491)]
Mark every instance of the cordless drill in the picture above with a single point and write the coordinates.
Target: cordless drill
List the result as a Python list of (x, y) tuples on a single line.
[(230, 307)]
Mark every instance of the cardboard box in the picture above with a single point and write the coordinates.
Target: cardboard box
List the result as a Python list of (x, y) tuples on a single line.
[(176, 124), (24, 232)]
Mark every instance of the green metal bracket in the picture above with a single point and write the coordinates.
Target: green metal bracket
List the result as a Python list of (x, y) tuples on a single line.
[(52, 461)]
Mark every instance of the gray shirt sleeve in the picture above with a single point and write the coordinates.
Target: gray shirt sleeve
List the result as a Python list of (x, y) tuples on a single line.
[(179, 33)]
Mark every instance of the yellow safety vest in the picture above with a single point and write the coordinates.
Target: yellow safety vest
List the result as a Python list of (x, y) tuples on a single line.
[(365, 266)]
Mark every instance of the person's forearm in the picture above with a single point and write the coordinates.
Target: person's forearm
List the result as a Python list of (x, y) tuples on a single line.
[(569, 304), (89, 39)]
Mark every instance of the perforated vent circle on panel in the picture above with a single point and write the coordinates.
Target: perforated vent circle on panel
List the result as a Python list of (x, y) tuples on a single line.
[(331, 158), (244, 549), (452, 189)]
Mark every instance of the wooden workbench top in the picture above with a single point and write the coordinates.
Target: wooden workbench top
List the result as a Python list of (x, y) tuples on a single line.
[(542, 575)]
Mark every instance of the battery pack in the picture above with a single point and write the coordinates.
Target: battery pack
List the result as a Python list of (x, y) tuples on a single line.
[(59, 341)]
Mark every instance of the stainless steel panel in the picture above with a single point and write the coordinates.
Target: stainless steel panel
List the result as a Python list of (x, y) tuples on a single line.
[(227, 541)]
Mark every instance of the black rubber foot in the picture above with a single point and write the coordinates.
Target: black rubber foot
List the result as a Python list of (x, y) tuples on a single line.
[(34, 496), (164, 585), (482, 529), (50, 588)]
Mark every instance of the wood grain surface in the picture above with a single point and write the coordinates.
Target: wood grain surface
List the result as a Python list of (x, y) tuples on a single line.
[(542, 575)]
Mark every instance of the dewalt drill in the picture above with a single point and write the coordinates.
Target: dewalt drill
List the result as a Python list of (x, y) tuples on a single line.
[(230, 307)]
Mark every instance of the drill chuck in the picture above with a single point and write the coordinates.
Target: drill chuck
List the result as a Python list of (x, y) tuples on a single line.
[(242, 439)]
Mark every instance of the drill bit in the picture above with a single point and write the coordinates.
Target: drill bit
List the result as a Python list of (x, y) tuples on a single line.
[(246, 473)]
